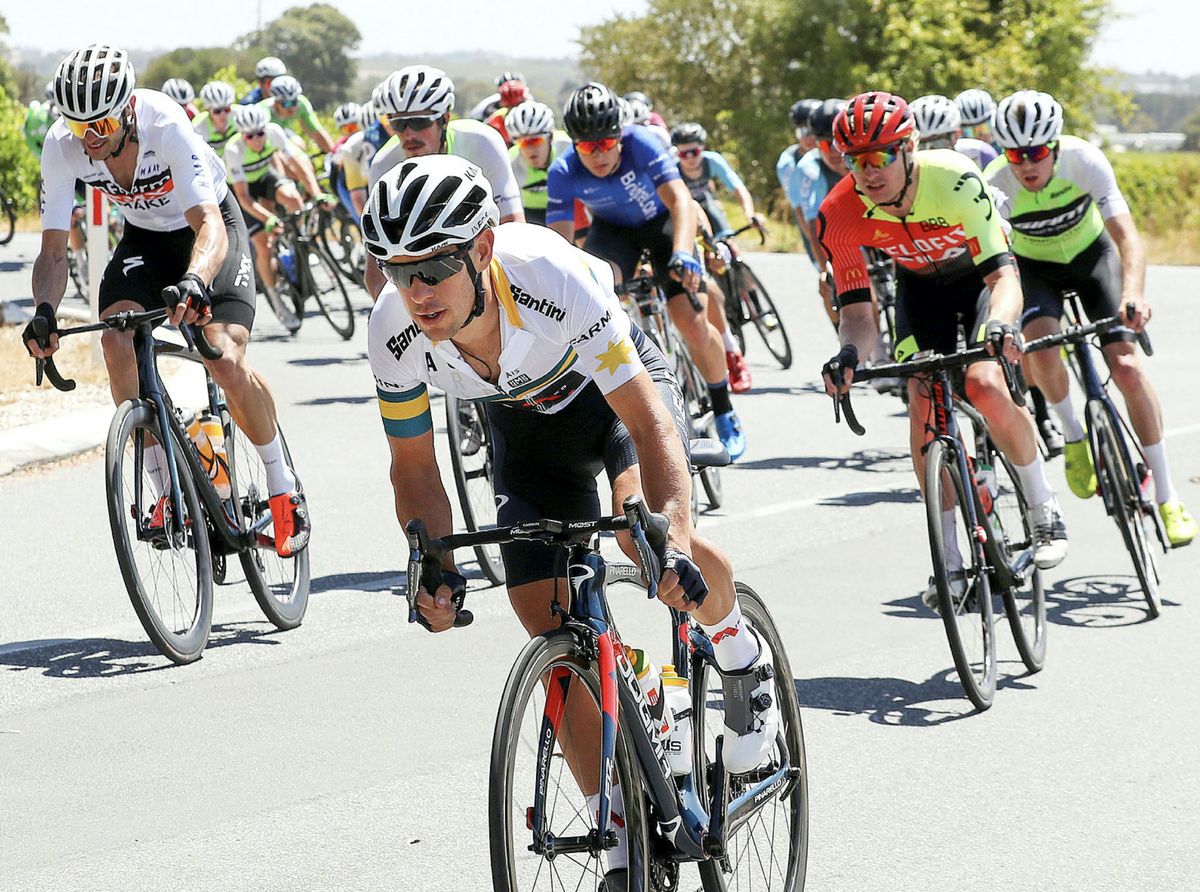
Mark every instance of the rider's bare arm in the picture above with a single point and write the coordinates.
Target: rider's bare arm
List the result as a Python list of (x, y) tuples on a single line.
[(675, 196), (1133, 265), (417, 485), (208, 251), (50, 268)]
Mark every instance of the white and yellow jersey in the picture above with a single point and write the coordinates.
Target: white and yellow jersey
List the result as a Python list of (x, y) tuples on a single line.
[(561, 327)]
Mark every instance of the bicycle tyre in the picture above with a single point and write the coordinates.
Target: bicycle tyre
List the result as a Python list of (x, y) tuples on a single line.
[(976, 671), (330, 292), (337, 243), (734, 317), (540, 656), (758, 305), (183, 641), (9, 226), (478, 514), (1122, 500), (280, 585), (713, 873), (1026, 612), (710, 478)]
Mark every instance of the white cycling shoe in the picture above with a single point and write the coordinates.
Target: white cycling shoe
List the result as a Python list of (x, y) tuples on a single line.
[(751, 713)]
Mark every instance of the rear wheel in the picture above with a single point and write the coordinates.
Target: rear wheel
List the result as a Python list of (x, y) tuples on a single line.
[(326, 285), (734, 317), (964, 595), (168, 575), (471, 458), (763, 313)]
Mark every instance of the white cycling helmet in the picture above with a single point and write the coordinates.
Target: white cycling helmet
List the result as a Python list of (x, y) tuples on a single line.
[(529, 119), (639, 108), (179, 90), (93, 83), (269, 66), (975, 107), (286, 88), (1028, 118), (217, 94), (935, 115), (366, 115), (416, 89), (346, 113), (424, 204), (50, 92), (250, 118)]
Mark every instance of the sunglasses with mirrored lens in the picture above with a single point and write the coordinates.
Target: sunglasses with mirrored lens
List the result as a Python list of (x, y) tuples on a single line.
[(593, 146), (219, 111), (691, 153), (103, 127), (255, 135), (432, 271), (876, 158), (399, 124), (289, 103), (530, 142), (1030, 153)]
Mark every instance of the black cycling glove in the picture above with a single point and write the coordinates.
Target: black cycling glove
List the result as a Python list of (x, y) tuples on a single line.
[(847, 358), (690, 577), (996, 330), (458, 594), (192, 292), (43, 311)]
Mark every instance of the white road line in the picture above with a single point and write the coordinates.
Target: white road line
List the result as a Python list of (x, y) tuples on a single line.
[(1180, 431)]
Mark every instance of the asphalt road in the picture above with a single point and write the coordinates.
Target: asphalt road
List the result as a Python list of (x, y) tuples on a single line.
[(352, 752)]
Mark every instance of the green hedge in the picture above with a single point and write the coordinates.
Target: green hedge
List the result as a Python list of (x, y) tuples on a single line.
[(19, 169), (1162, 188)]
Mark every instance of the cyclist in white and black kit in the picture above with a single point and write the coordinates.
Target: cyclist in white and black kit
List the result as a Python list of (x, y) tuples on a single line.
[(183, 231)]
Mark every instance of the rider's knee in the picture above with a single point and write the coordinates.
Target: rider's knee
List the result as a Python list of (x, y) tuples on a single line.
[(117, 347), (1126, 371)]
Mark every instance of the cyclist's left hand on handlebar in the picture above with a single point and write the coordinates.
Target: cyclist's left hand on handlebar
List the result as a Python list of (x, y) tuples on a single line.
[(759, 222), (29, 337), (439, 609), (685, 268), (682, 585), (189, 301), (1135, 312), (1006, 337)]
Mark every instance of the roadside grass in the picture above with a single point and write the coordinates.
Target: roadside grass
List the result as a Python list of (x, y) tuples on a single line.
[(17, 368)]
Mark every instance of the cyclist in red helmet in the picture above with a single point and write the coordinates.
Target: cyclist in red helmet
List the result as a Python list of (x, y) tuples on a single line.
[(932, 213), (512, 93)]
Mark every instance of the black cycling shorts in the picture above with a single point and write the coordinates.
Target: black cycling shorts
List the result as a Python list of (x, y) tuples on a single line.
[(262, 189), (546, 465), (145, 262), (1094, 274), (929, 311), (623, 246)]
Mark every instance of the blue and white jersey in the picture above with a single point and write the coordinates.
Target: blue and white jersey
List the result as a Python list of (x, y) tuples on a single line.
[(785, 172), (254, 97), (714, 168), (814, 179)]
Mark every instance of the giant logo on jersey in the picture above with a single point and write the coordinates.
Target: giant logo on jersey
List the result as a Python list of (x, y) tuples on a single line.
[(1049, 223)]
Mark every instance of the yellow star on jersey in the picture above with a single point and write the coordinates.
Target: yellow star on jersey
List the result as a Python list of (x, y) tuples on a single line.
[(617, 355)]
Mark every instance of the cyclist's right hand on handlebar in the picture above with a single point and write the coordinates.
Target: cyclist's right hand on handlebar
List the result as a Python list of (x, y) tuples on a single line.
[(45, 347), (682, 585), (189, 301), (842, 368), (440, 609)]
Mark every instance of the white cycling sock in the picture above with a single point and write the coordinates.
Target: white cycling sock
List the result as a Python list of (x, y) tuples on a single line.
[(618, 856), (1072, 429), (280, 478), (1156, 458), (154, 459), (730, 344), (734, 645), (952, 555), (1033, 481)]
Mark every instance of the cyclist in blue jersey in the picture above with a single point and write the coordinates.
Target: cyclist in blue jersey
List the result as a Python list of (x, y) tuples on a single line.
[(265, 70), (816, 174), (639, 202), (785, 167)]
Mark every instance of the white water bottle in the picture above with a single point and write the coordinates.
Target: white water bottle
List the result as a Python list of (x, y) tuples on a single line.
[(679, 704), (649, 680)]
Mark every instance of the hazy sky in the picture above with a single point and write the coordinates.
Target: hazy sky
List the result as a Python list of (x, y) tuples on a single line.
[(1157, 34)]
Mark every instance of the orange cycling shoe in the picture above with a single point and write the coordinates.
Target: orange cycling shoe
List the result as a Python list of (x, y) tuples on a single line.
[(289, 514)]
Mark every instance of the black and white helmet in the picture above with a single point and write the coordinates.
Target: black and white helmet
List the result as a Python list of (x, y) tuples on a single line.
[(1028, 118), (935, 115), (366, 115), (94, 82), (416, 89), (626, 108), (217, 94), (269, 66), (592, 112), (529, 119), (250, 118), (179, 90), (346, 113), (507, 76), (286, 88), (687, 132), (639, 108), (975, 107), (424, 204)]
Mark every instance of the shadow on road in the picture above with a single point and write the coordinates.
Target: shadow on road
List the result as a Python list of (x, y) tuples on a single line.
[(1098, 602), (865, 499), (870, 461), (328, 360), (14, 266), (393, 581), (106, 657), (795, 390), (337, 400)]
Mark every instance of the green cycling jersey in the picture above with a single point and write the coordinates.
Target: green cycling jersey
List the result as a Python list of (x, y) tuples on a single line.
[(216, 139), (532, 180), (37, 122)]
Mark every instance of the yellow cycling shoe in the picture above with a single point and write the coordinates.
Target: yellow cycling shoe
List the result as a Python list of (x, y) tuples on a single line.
[(1181, 526), (1081, 472)]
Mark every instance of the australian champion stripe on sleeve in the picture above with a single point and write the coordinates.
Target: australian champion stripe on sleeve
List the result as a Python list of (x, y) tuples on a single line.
[(405, 413)]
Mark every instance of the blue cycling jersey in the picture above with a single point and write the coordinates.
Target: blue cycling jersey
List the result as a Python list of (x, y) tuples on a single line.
[(785, 171), (376, 135), (254, 97), (627, 197), (813, 180), (714, 168)]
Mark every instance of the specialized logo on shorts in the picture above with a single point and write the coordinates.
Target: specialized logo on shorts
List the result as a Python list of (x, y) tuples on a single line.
[(397, 344), (245, 272), (540, 305), (596, 328), (501, 500), (131, 263)]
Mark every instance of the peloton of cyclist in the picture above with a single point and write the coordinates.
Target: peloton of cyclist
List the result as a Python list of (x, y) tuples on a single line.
[(517, 317), (536, 143), (932, 213), (215, 123), (638, 202), (940, 126), (182, 230), (266, 69), (292, 110), (785, 168), (512, 93), (1072, 231), (975, 110), (353, 159)]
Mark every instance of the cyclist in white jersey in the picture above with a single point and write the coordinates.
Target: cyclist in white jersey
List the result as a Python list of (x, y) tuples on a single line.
[(354, 157), (415, 104), (520, 318), (182, 231)]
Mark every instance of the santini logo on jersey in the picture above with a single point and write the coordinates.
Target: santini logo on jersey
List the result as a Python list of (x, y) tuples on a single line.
[(540, 305), (397, 344)]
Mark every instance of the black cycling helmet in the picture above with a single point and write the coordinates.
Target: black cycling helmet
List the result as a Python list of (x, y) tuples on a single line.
[(802, 110), (689, 131), (820, 122), (592, 112)]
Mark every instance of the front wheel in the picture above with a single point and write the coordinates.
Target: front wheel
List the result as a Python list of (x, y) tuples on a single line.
[(535, 761), (763, 313), (168, 575), (326, 285), (770, 850), (964, 595), (8, 222)]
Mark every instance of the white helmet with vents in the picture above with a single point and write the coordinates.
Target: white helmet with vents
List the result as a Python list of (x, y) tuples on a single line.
[(529, 119), (286, 88), (250, 118), (1028, 118), (269, 66), (935, 115), (346, 113), (94, 82), (179, 90), (417, 89), (217, 94), (975, 107)]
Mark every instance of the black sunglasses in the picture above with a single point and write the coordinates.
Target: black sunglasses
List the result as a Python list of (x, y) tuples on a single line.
[(398, 123), (255, 135), (432, 271)]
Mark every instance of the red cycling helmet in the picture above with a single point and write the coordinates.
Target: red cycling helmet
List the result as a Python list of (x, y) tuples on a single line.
[(512, 93), (871, 121)]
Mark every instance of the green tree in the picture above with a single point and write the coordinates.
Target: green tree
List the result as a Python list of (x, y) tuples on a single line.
[(315, 43), (195, 65), (19, 169)]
